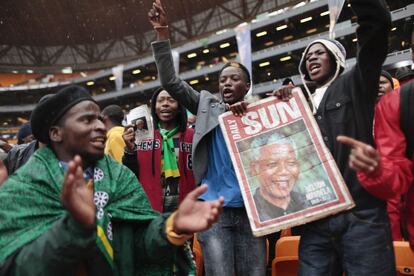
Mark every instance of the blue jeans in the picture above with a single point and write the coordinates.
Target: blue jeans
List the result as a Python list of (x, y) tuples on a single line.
[(229, 247), (357, 242)]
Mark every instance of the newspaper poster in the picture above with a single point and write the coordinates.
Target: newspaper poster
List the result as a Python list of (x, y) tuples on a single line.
[(141, 120), (286, 174)]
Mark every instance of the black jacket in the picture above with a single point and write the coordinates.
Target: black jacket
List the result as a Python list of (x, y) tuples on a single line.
[(347, 107), (268, 211), (19, 155)]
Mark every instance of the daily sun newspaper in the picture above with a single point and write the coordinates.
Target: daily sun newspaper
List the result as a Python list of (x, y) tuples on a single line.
[(286, 174)]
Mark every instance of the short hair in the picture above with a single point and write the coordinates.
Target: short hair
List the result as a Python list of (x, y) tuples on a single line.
[(240, 66), (274, 138), (114, 113)]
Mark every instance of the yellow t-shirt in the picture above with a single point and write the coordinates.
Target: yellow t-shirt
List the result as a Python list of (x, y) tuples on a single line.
[(115, 143)]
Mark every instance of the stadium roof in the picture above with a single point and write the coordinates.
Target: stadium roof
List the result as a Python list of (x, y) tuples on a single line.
[(99, 33)]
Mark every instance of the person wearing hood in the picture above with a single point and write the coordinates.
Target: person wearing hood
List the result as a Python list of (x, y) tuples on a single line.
[(343, 104), (163, 164)]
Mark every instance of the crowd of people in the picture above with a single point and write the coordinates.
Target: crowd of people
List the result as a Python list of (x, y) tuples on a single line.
[(81, 195)]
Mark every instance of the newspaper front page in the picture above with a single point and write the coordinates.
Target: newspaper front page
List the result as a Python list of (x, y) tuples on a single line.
[(286, 174), (140, 118)]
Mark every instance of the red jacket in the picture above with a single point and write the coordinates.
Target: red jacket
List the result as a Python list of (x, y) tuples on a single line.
[(395, 176), (149, 164)]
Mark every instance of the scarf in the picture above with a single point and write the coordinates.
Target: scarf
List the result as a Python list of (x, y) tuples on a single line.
[(169, 164), (30, 201), (103, 221)]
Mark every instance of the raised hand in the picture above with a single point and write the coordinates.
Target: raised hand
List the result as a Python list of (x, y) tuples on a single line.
[(76, 197), (157, 15), (129, 138), (158, 19), (194, 215), (363, 157), (238, 109), (284, 93)]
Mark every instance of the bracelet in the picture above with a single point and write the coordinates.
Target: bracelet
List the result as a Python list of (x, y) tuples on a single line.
[(161, 27)]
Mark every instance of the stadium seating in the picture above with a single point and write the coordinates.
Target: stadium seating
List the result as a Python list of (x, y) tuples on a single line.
[(404, 258), (287, 259)]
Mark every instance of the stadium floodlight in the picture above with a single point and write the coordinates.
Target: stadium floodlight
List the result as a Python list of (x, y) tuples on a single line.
[(194, 82), (281, 27), (261, 34), (224, 45), (136, 72), (286, 58), (90, 83), (264, 64), (192, 55), (306, 19), (324, 13), (67, 70), (206, 51)]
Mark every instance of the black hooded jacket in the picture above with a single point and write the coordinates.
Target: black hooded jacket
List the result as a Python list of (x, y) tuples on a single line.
[(347, 107)]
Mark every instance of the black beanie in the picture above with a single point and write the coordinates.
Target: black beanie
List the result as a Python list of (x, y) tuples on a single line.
[(51, 109), (388, 76), (24, 131)]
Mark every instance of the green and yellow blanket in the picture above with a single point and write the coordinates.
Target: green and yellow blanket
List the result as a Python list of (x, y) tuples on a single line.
[(30, 202)]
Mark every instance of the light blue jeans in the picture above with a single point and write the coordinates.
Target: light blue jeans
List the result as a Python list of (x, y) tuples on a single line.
[(229, 247)]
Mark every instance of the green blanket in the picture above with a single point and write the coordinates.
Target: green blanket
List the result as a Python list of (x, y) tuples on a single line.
[(30, 201)]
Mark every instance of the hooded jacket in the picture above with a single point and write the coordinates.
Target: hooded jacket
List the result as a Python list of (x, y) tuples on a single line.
[(347, 106)]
